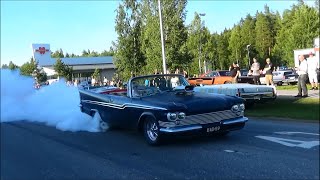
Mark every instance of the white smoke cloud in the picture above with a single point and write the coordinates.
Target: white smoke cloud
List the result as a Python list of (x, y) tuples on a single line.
[(55, 105)]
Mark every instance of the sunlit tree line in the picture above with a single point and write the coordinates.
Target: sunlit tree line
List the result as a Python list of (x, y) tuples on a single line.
[(261, 35)]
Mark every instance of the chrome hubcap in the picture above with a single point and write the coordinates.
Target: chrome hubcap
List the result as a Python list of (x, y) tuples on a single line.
[(152, 131)]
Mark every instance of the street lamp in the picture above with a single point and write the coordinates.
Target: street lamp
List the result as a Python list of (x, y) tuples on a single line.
[(162, 41), (248, 55), (200, 43)]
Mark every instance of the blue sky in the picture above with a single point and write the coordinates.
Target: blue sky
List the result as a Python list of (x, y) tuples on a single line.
[(78, 25)]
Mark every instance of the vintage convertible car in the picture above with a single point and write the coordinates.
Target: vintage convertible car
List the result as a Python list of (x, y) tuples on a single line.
[(161, 105), (251, 93)]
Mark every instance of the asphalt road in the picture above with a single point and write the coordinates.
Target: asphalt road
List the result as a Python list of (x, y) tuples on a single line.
[(35, 151)]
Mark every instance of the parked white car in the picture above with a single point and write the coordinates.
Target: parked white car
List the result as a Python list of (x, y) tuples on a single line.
[(281, 77), (251, 93)]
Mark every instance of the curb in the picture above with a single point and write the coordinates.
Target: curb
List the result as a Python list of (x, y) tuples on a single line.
[(283, 119)]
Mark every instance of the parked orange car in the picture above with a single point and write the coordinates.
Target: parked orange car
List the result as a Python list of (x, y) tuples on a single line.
[(218, 77)]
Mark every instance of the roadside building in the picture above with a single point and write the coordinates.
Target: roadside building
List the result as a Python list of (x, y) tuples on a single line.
[(306, 52), (83, 67)]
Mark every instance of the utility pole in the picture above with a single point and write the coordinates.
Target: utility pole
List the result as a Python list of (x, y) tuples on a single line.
[(200, 43), (248, 55), (162, 41)]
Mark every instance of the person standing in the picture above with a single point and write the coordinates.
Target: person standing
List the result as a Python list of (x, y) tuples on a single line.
[(93, 81), (302, 80), (268, 72), (234, 72), (255, 67), (313, 65), (105, 81)]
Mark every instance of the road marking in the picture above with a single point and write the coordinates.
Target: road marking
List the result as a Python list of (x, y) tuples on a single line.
[(290, 133), (290, 142)]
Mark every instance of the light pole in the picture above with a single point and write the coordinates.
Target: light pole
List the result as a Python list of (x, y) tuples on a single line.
[(248, 55), (162, 41), (200, 43)]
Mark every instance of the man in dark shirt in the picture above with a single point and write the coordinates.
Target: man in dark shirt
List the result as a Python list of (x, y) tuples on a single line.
[(235, 72), (268, 72)]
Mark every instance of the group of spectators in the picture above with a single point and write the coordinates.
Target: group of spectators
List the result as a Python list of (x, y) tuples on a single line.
[(308, 69), (255, 71)]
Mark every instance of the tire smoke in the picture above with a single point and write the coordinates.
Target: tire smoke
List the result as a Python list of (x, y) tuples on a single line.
[(55, 105)]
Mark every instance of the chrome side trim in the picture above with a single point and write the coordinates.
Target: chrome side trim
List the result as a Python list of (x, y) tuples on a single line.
[(258, 93), (122, 106), (180, 129), (240, 120)]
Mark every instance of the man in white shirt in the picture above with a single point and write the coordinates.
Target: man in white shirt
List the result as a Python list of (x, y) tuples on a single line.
[(255, 67), (313, 65), (302, 71)]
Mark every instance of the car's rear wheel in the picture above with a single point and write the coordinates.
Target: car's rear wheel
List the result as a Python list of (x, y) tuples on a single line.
[(151, 131), (279, 83), (228, 82)]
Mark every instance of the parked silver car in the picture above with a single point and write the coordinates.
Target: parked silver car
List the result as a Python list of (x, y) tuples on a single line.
[(281, 77)]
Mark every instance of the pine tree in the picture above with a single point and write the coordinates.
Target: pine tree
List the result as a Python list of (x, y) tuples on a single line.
[(59, 67), (129, 57), (12, 66), (28, 68)]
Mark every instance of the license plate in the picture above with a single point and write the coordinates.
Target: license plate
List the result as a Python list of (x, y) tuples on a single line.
[(291, 77), (213, 129)]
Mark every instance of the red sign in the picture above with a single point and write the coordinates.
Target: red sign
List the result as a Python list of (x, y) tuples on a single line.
[(42, 50)]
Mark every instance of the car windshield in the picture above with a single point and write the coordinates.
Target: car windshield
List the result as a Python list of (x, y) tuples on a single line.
[(151, 85), (224, 73)]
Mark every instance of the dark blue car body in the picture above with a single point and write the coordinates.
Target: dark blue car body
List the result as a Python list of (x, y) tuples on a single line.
[(211, 113)]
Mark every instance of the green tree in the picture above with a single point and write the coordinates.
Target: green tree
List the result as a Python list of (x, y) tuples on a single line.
[(85, 53), (248, 36), (235, 46), (264, 37), (40, 75), (59, 67), (57, 54), (28, 68), (4, 66), (194, 43), (222, 50), (96, 74), (93, 54), (12, 66), (175, 34), (305, 26), (63, 69), (299, 26), (129, 57), (68, 71)]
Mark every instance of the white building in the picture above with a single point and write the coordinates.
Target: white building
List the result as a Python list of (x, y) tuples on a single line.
[(83, 67), (306, 52)]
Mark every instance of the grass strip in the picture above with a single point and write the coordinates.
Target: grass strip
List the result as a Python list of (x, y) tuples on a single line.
[(293, 108), (291, 87)]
